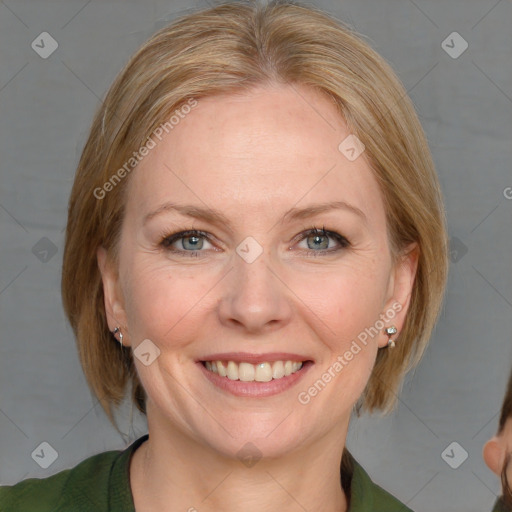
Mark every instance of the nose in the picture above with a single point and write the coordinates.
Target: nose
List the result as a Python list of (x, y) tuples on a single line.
[(254, 297)]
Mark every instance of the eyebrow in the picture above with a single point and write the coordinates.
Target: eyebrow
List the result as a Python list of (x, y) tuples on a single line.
[(216, 217)]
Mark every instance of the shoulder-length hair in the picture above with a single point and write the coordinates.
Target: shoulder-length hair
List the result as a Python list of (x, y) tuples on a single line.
[(505, 415), (229, 48)]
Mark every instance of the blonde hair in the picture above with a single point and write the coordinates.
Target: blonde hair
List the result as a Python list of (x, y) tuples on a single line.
[(229, 48)]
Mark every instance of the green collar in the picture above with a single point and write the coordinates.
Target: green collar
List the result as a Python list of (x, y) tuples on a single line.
[(365, 496)]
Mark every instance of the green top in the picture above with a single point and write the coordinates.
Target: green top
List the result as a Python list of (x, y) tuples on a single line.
[(101, 483)]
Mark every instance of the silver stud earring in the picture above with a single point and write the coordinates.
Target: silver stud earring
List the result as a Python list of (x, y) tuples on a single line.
[(391, 331), (118, 330)]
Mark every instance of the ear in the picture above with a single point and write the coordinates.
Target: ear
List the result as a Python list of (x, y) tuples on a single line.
[(400, 289), (494, 455), (114, 299)]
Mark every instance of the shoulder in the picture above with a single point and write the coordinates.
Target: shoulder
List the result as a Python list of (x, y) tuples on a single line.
[(81, 488), (368, 496)]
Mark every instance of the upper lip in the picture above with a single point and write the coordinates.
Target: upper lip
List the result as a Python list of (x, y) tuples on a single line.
[(241, 357)]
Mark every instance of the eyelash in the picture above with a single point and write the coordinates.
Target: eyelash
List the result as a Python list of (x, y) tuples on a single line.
[(167, 239)]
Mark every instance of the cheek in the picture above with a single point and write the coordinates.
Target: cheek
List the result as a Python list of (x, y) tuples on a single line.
[(347, 300), (343, 311), (162, 302)]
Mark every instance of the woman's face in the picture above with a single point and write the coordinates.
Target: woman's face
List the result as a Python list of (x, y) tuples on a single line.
[(254, 173)]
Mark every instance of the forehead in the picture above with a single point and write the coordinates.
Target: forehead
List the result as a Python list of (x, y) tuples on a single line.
[(257, 151)]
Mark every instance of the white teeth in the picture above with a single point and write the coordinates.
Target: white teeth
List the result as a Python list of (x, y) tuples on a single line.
[(232, 371), (247, 372), (220, 369), (278, 370), (263, 372)]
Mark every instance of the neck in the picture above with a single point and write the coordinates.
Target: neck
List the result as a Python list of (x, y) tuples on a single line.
[(173, 472)]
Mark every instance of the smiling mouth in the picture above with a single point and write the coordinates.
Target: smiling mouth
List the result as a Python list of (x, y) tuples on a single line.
[(247, 372)]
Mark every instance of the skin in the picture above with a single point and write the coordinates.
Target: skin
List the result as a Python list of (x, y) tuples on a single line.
[(252, 156), (496, 450)]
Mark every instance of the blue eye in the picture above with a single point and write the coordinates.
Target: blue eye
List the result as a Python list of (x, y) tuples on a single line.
[(190, 243), (319, 239)]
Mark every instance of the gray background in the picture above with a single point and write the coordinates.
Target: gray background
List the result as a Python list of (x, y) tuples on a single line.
[(465, 105)]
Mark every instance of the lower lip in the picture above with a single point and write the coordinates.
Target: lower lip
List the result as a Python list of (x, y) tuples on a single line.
[(256, 389)]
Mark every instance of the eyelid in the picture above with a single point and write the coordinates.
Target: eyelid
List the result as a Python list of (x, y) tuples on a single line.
[(172, 237), (167, 239), (342, 240)]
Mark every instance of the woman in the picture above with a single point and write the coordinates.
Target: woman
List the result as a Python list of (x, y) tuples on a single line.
[(256, 243), (497, 452)]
